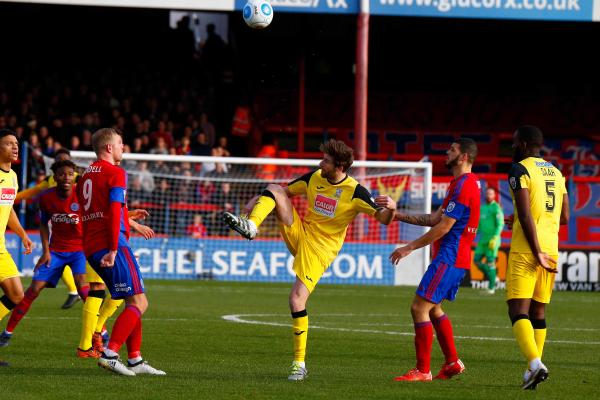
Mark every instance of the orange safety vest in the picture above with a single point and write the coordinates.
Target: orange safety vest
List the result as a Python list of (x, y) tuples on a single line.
[(241, 121)]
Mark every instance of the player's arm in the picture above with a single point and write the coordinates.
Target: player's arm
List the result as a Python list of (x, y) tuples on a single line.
[(386, 211), (15, 226), (32, 192), (498, 226), (565, 211), (145, 231), (137, 214), (116, 203), (419, 219), (45, 238), (522, 202), (435, 233)]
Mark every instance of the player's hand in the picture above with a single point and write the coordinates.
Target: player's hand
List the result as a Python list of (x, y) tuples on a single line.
[(43, 260), (493, 243), (108, 260), (145, 231), (509, 221), (547, 262), (400, 253), (138, 214), (385, 201), (28, 244)]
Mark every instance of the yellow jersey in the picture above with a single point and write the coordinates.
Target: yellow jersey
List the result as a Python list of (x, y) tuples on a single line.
[(331, 208), (8, 192), (546, 186)]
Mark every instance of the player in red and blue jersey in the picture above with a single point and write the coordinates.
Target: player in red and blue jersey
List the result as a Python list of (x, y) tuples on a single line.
[(454, 226), (62, 246), (102, 197)]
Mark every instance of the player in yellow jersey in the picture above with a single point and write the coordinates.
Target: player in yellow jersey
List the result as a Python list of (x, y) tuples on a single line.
[(334, 200), (50, 182), (541, 206), (10, 281)]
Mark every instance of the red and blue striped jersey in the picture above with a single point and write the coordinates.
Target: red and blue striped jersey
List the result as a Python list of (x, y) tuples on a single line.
[(102, 184), (462, 203)]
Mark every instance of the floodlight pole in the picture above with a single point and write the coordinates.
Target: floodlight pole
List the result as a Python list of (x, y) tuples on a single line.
[(361, 81)]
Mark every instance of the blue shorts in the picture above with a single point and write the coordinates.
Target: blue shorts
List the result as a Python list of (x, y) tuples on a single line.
[(440, 282), (124, 278), (51, 273)]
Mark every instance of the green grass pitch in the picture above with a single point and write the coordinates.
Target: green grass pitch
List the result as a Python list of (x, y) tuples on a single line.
[(360, 338)]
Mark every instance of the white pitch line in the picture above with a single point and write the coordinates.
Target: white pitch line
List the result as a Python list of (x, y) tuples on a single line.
[(238, 318)]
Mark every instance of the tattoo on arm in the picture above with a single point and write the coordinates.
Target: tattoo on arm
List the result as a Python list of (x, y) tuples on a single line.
[(421, 219)]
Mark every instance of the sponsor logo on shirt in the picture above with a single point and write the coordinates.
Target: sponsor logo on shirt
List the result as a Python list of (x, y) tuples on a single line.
[(65, 219), (92, 216), (7, 196), (325, 206)]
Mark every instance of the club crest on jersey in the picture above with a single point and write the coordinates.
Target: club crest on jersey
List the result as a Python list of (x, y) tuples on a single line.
[(513, 182), (338, 193), (451, 206), (325, 205), (74, 207), (8, 195)]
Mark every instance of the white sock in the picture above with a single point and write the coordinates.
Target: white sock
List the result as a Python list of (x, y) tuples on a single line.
[(535, 364), (73, 293), (134, 360), (110, 353), (300, 363)]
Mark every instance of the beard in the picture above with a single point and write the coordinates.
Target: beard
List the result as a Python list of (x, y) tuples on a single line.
[(452, 163)]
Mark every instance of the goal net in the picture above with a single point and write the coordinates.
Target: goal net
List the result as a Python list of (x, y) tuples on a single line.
[(186, 196)]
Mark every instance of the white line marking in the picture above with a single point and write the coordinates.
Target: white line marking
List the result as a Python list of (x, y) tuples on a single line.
[(239, 318)]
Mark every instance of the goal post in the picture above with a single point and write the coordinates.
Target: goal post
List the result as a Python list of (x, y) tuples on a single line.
[(186, 196)]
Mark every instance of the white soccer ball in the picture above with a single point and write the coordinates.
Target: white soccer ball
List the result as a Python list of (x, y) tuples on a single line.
[(258, 14)]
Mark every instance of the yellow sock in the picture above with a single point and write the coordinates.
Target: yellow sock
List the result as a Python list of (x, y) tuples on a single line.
[(540, 338), (523, 331), (300, 331), (67, 278), (109, 307), (89, 317), (3, 311), (264, 206)]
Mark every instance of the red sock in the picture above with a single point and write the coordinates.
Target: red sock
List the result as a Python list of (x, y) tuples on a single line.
[(83, 292), (443, 331), (123, 327), (423, 341), (134, 341), (20, 310)]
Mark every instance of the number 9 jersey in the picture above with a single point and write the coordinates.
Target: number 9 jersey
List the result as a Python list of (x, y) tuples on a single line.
[(546, 186), (101, 184)]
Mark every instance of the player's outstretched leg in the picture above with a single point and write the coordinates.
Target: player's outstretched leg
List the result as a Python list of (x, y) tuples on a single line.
[(273, 197)]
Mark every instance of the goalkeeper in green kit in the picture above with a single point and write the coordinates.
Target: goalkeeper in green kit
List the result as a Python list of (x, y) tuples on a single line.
[(491, 222)]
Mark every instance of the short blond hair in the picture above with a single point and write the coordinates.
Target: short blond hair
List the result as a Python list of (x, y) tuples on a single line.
[(102, 137)]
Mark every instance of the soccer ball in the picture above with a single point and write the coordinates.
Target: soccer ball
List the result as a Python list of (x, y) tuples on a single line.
[(258, 14)]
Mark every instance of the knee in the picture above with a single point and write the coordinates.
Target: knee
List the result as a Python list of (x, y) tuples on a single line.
[(277, 190), (140, 302), (16, 297), (97, 286)]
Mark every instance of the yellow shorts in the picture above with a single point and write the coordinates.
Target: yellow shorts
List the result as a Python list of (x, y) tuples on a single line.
[(308, 265), (91, 276), (526, 279), (8, 268)]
